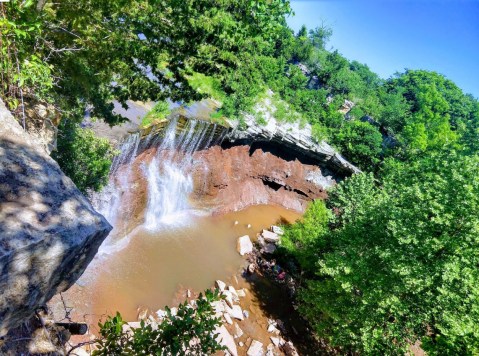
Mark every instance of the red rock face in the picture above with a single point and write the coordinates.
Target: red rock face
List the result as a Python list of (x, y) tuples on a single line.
[(230, 179)]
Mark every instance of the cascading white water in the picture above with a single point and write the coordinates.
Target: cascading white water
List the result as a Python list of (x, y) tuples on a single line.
[(169, 182)]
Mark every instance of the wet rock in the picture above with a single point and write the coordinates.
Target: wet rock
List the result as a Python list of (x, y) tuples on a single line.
[(269, 236), (255, 349), (221, 285), (49, 232), (224, 338), (244, 245), (237, 331)]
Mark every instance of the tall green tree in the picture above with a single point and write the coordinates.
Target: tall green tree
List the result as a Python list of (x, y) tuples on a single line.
[(400, 261)]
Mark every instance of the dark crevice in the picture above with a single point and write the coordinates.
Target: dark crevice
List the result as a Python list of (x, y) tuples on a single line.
[(273, 185)]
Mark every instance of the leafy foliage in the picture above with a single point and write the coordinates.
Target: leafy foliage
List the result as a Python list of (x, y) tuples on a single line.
[(399, 262), (190, 331), (85, 158)]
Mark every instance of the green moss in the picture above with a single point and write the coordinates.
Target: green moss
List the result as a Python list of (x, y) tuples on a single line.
[(160, 111)]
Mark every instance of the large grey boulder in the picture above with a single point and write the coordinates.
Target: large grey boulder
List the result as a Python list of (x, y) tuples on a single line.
[(49, 232)]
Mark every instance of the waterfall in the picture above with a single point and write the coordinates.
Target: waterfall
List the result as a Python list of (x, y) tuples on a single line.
[(168, 174)]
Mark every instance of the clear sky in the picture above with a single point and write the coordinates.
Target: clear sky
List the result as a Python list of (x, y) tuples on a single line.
[(391, 35)]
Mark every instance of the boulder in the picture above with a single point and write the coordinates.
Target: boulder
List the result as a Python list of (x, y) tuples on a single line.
[(277, 230), (228, 318), (49, 232), (244, 245), (224, 338), (269, 248), (269, 236), (255, 349), (221, 285), (235, 312)]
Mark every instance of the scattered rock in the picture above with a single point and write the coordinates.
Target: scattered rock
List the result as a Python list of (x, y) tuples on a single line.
[(174, 311), (269, 236), (221, 285), (248, 226), (188, 293), (241, 293), (236, 222), (269, 248), (289, 349), (277, 230), (218, 306), (237, 331), (142, 313), (80, 352), (273, 329), (244, 245), (224, 338), (161, 313), (246, 314), (228, 318), (251, 268), (255, 349), (228, 298), (241, 343), (270, 350), (233, 293), (134, 324), (275, 340), (235, 312)]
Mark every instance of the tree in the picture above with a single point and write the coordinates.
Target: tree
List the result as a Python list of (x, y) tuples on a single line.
[(400, 262), (360, 142)]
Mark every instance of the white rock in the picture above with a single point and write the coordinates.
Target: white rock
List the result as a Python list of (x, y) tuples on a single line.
[(236, 222), (273, 329), (220, 284), (228, 318), (134, 324), (174, 311), (248, 226), (228, 298), (218, 306), (80, 352), (255, 349), (244, 245), (241, 343), (241, 293), (270, 350), (237, 331), (277, 230), (275, 340), (269, 236), (233, 293), (224, 338), (235, 312)]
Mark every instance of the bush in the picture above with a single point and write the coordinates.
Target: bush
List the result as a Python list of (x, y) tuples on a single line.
[(190, 331), (83, 157)]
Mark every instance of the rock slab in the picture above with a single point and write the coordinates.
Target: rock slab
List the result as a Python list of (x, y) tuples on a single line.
[(49, 232)]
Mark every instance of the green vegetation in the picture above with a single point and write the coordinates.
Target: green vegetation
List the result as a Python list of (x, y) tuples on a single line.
[(159, 112), (82, 156), (190, 331), (389, 259)]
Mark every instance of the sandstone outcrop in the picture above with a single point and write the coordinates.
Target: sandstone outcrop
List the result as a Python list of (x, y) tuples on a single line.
[(232, 179), (49, 232)]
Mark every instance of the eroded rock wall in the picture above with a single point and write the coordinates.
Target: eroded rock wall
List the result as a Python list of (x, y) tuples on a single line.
[(49, 232)]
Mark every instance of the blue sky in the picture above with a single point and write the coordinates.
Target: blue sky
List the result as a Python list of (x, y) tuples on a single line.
[(391, 35)]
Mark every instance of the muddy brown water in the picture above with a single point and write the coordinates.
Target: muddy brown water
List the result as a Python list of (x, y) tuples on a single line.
[(152, 267)]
